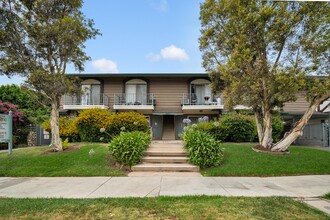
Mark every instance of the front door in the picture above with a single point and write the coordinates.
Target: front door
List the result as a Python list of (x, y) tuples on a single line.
[(168, 127)]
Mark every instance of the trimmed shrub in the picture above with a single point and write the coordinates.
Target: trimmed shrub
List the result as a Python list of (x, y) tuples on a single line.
[(216, 129), (238, 127), (68, 128), (203, 149), (128, 147), (90, 121)]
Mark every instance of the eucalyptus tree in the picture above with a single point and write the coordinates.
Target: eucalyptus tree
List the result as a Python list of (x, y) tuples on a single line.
[(264, 53), (39, 38)]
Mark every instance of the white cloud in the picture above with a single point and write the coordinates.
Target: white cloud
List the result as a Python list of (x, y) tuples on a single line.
[(154, 57), (160, 5), (104, 65), (174, 53), (169, 53)]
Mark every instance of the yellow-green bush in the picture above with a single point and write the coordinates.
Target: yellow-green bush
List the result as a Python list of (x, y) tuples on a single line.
[(68, 128), (90, 121), (128, 121)]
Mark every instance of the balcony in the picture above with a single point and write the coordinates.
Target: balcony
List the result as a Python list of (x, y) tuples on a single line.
[(134, 101), (85, 101), (192, 102)]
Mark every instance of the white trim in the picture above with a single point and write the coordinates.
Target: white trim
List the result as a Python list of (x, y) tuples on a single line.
[(201, 107), (81, 107), (133, 107)]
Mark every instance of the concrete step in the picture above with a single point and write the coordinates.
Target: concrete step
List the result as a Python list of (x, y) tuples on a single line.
[(174, 174), (165, 153), (157, 159), (164, 167)]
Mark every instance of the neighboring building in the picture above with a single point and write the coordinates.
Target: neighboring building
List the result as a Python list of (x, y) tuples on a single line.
[(167, 98)]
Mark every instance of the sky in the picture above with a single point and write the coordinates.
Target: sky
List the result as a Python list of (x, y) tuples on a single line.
[(141, 36)]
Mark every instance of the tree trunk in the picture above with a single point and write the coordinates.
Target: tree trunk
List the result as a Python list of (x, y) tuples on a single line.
[(55, 128), (296, 131), (259, 127), (267, 139)]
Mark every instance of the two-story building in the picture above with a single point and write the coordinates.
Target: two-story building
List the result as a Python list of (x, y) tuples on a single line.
[(168, 98)]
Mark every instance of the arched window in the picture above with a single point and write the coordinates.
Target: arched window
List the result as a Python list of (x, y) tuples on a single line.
[(91, 92), (200, 92), (136, 92)]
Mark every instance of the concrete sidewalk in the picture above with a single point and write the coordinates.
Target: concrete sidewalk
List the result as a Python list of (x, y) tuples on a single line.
[(303, 188), (95, 187)]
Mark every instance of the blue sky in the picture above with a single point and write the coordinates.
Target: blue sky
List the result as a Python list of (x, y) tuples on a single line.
[(141, 36)]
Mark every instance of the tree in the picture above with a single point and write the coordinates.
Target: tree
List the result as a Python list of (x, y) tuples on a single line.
[(35, 108), (46, 36), (263, 53)]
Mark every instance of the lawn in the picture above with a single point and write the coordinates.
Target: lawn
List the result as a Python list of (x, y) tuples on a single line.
[(240, 160), (192, 207), (326, 196), (33, 162)]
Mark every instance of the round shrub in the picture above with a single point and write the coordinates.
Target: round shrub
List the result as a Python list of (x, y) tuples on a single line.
[(128, 147), (239, 127), (216, 129), (90, 121), (203, 149)]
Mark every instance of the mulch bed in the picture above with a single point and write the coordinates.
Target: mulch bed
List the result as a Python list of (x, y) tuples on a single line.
[(69, 149), (260, 148)]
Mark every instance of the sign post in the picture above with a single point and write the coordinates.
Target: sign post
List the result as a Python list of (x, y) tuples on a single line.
[(6, 128)]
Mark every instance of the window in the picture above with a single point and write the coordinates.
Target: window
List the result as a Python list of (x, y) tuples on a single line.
[(136, 92), (91, 92), (200, 91)]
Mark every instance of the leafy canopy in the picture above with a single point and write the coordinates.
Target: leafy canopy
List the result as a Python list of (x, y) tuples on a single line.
[(260, 53)]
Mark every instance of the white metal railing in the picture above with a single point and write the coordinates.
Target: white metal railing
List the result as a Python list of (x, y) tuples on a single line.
[(197, 99), (134, 99), (86, 99)]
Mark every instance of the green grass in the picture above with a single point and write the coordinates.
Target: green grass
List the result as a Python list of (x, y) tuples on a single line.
[(193, 207), (32, 162), (326, 196), (241, 160)]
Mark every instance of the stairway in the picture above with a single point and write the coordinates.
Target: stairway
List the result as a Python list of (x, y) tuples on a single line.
[(165, 156)]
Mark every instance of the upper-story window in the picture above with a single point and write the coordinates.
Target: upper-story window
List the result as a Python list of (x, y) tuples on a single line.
[(200, 91), (136, 92), (91, 92)]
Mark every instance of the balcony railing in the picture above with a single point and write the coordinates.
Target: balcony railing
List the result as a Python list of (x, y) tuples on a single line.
[(134, 101), (85, 101), (192, 101)]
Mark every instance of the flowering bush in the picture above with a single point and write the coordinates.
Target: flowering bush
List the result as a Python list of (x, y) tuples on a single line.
[(128, 121), (90, 121), (6, 107), (20, 129), (68, 128)]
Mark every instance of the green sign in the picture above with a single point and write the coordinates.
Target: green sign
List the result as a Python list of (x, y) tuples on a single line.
[(5, 132)]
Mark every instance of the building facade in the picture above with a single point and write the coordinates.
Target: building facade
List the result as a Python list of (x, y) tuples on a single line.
[(167, 98)]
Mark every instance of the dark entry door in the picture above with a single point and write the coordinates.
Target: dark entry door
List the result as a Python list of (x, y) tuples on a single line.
[(168, 127)]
